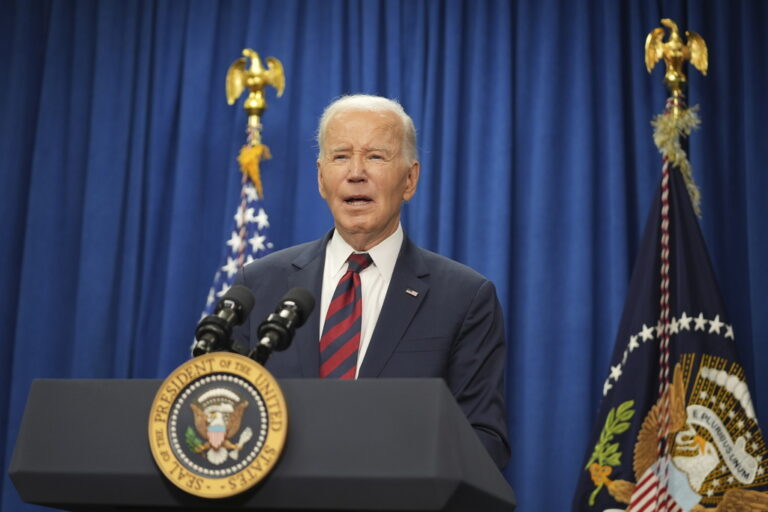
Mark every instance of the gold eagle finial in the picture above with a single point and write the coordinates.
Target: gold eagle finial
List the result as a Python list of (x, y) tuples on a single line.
[(675, 52), (256, 79)]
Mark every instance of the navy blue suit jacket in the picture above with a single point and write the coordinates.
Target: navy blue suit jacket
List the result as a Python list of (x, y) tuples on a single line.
[(451, 328)]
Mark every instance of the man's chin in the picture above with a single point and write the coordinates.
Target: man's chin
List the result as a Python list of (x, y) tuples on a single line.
[(354, 228), (355, 220)]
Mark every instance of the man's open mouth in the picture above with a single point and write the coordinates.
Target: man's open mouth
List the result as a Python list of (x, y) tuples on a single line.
[(358, 200)]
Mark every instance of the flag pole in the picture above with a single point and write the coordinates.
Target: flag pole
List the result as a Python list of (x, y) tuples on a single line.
[(674, 123)]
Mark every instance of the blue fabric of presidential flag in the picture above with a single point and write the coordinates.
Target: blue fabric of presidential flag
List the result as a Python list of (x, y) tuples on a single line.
[(702, 448), (248, 241)]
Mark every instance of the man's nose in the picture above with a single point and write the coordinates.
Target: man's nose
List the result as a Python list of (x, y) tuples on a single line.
[(357, 169)]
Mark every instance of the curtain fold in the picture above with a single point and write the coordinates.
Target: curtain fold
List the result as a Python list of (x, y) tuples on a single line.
[(118, 177)]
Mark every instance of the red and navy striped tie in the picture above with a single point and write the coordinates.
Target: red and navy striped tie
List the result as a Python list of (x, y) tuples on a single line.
[(341, 332)]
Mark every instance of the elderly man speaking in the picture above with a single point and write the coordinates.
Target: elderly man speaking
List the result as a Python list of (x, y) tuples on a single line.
[(387, 307)]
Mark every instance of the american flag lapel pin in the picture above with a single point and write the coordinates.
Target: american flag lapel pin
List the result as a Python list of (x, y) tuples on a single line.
[(412, 292)]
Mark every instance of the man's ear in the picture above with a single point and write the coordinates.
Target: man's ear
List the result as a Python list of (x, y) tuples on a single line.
[(412, 180)]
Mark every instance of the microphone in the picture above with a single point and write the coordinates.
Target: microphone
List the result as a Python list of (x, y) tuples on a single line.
[(214, 331), (276, 332)]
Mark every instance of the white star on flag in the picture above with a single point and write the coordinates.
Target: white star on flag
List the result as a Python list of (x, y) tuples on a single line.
[(715, 325), (685, 322), (257, 242), (243, 216), (224, 289), (231, 267), (701, 322), (235, 241), (250, 193), (261, 219)]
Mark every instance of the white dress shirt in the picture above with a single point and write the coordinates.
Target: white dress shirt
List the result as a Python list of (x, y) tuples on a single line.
[(374, 281)]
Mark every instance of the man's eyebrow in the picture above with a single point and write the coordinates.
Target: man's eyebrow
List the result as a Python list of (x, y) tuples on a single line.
[(379, 148)]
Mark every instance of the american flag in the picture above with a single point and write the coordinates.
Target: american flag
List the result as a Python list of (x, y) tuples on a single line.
[(248, 240), (676, 429)]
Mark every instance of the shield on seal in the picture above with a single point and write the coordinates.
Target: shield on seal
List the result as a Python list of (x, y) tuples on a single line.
[(216, 434)]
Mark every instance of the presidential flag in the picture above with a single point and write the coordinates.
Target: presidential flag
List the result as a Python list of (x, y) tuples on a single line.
[(676, 429)]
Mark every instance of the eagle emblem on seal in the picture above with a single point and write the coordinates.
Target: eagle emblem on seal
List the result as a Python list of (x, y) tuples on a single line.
[(218, 417)]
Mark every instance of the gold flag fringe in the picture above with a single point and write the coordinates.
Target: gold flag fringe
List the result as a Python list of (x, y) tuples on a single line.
[(667, 130), (249, 159)]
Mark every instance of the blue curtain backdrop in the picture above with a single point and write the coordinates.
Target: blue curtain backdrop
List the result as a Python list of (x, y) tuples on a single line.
[(118, 178)]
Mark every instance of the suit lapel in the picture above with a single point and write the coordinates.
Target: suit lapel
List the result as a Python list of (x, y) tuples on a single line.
[(308, 274), (404, 296)]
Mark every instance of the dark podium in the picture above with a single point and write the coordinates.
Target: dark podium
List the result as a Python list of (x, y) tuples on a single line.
[(378, 444)]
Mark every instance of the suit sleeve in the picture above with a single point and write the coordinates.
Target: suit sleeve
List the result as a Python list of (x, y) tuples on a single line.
[(476, 372)]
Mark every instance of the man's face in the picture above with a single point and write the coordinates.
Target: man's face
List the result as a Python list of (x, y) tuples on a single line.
[(363, 177)]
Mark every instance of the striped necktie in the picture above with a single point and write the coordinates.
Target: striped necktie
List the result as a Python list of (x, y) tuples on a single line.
[(340, 340)]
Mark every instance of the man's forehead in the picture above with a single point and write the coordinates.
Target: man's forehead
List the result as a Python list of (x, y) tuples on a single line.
[(363, 124)]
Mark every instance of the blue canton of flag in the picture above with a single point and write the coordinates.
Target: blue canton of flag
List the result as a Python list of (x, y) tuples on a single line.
[(688, 440), (248, 241)]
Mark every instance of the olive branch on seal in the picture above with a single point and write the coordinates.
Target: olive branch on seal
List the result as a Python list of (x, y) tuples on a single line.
[(607, 453), (193, 442)]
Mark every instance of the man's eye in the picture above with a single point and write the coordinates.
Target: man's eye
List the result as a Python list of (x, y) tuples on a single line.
[(339, 157), (376, 156)]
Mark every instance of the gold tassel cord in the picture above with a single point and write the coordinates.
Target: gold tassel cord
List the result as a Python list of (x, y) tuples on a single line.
[(250, 158), (667, 130)]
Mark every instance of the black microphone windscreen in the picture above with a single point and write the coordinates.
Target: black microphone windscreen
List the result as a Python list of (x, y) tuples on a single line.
[(304, 301), (242, 296)]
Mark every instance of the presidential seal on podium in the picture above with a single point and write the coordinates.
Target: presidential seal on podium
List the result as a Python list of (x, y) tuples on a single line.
[(218, 425)]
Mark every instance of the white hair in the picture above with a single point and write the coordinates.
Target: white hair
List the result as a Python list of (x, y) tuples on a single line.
[(357, 102)]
